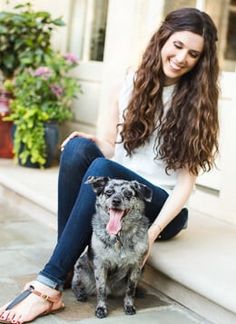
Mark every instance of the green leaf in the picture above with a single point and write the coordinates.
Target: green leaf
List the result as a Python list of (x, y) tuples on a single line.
[(19, 6), (58, 22), (3, 29)]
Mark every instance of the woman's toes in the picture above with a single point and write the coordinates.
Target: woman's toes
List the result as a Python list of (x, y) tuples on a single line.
[(11, 316), (4, 315), (16, 319)]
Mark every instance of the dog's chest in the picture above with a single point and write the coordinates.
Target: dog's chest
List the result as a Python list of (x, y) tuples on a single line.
[(119, 252)]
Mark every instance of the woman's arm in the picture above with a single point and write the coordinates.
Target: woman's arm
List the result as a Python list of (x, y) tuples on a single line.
[(173, 205), (106, 140), (175, 202), (108, 131)]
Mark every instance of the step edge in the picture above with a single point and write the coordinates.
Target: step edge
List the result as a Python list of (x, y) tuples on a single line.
[(187, 297)]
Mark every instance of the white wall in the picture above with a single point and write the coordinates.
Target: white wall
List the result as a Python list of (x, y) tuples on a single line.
[(221, 204), (128, 30)]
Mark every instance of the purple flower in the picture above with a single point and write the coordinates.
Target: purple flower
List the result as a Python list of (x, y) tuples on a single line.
[(43, 71), (71, 58), (57, 90)]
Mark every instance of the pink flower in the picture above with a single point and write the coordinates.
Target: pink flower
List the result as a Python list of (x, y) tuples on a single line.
[(57, 90), (43, 71), (71, 58)]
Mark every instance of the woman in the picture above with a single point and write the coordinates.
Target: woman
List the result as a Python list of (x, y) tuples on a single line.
[(167, 133)]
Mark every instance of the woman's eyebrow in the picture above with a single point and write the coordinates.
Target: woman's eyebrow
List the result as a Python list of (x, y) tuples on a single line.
[(182, 44)]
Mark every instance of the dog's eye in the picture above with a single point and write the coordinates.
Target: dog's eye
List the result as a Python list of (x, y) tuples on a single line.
[(128, 193), (109, 192)]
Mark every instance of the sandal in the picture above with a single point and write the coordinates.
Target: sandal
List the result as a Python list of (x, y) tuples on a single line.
[(26, 293)]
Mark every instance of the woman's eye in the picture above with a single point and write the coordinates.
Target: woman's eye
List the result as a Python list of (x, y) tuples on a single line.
[(194, 55), (177, 45)]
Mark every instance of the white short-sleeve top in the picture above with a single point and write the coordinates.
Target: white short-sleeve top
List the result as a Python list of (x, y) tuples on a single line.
[(143, 159)]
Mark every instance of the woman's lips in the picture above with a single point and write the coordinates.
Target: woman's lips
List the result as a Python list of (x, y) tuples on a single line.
[(174, 66)]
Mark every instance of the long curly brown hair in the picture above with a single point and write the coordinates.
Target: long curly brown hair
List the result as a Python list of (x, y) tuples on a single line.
[(187, 135)]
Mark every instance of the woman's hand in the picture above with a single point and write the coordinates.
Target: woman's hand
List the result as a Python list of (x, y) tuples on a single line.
[(152, 235), (76, 134)]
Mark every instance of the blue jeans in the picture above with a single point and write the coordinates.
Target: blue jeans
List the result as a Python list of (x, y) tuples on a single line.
[(80, 159)]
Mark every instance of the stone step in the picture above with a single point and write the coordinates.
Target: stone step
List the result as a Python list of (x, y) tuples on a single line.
[(197, 268), (33, 190)]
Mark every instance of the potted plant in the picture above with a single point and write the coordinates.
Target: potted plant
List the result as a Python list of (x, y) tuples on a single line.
[(42, 99), (25, 37)]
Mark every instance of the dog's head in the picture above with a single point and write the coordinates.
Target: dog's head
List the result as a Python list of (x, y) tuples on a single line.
[(119, 197)]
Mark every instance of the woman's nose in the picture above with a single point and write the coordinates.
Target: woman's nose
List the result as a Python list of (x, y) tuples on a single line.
[(181, 57)]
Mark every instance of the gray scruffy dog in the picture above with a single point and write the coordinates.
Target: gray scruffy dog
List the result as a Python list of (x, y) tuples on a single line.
[(112, 263)]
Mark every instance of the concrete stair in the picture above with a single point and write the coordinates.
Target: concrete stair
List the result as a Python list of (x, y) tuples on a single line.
[(196, 269)]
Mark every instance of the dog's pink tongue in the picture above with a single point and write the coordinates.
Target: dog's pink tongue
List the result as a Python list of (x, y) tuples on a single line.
[(114, 225)]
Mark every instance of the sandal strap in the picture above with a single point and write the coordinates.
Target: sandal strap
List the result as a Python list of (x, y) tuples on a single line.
[(19, 298), (46, 297), (31, 290)]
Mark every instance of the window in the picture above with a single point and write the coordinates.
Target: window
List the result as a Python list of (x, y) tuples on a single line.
[(88, 29), (176, 4), (230, 50)]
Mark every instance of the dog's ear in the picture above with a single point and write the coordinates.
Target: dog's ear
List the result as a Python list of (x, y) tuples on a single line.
[(143, 191), (98, 183)]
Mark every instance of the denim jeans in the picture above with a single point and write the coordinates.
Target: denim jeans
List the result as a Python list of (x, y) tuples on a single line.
[(80, 159)]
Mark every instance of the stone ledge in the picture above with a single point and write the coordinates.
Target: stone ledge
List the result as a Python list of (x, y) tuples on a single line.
[(29, 207), (201, 260), (190, 299), (39, 186)]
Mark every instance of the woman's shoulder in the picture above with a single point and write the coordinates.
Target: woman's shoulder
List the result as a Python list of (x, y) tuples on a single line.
[(130, 76), (127, 88)]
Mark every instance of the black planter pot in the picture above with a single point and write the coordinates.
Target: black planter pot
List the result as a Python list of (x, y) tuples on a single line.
[(51, 139)]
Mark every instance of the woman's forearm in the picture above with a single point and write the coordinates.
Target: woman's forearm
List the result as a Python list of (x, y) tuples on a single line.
[(106, 147), (174, 203)]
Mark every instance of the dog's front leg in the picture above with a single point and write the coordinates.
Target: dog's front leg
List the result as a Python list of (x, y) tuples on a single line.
[(130, 291), (100, 277)]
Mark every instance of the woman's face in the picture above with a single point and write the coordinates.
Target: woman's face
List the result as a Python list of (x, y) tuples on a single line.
[(180, 54)]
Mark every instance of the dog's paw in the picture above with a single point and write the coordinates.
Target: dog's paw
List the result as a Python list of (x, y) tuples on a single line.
[(101, 312), (130, 310)]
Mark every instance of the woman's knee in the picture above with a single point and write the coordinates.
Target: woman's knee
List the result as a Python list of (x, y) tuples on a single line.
[(101, 167), (76, 150)]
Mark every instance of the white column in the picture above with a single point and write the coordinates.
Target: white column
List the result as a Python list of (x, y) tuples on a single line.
[(228, 150), (200, 4), (129, 26)]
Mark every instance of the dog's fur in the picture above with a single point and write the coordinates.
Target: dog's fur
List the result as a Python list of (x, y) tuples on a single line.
[(113, 261)]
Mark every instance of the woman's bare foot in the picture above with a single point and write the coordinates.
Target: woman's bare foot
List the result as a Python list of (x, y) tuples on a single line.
[(32, 306)]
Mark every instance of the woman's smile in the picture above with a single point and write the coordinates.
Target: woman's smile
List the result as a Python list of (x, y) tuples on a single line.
[(174, 66)]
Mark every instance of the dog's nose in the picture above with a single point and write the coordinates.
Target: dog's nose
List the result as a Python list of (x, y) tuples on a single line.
[(116, 201)]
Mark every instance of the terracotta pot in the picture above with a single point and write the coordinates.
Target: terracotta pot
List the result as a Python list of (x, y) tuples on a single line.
[(6, 144)]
